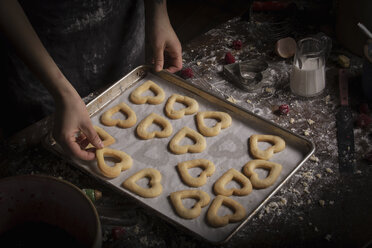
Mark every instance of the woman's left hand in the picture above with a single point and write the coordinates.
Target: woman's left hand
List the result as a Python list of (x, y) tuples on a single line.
[(166, 48)]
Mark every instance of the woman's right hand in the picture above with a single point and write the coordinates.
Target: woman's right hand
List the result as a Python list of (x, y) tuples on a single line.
[(72, 125), (73, 129)]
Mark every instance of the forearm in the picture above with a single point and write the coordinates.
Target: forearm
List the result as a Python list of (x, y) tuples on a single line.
[(155, 10), (71, 116), (16, 27), (166, 48)]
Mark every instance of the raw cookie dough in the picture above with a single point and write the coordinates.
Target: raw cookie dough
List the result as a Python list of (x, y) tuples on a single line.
[(189, 213), (232, 174), (208, 170), (114, 171), (137, 98), (219, 221), (154, 183), (129, 122), (258, 183), (278, 145), (106, 138), (192, 106), (154, 118), (199, 146), (224, 121)]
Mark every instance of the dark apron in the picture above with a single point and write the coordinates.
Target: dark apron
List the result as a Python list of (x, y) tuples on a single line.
[(94, 43)]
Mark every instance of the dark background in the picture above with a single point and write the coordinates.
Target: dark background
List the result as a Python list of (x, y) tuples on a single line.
[(192, 18)]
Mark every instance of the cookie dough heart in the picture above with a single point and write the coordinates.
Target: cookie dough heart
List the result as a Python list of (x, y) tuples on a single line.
[(219, 221), (199, 146), (157, 119), (114, 171), (192, 106), (106, 138), (155, 188), (137, 98), (186, 213), (258, 183), (232, 174), (124, 108), (224, 121), (208, 170), (278, 145)]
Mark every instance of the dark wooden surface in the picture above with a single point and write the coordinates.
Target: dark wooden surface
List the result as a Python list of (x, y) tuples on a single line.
[(317, 207)]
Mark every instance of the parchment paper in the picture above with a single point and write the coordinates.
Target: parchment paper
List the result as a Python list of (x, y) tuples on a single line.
[(227, 150)]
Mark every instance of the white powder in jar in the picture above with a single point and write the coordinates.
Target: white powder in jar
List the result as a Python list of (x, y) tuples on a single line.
[(309, 80)]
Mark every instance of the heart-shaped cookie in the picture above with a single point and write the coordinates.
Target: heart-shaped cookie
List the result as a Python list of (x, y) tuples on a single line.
[(124, 108), (258, 183), (219, 221), (114, 171), (278, 145), (157, 119), (224, 121), (106, 138), (232, 174), (189, 213), (155, 188), (137, 97), (208, 170), (192, 106), (199, 146)]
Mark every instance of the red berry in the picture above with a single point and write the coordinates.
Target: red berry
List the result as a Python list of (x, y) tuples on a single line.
[(237, 44), (187, 73), (368, 156), (363, 108), (363, 121), (117, 232), (284, 109), (229, 58)]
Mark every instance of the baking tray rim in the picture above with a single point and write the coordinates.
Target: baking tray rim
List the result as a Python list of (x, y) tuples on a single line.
[(141, 71)]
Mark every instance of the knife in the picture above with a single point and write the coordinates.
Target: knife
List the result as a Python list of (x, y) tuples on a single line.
[(344, 123)]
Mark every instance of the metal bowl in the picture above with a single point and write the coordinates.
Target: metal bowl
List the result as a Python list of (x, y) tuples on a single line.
[(53, 202)]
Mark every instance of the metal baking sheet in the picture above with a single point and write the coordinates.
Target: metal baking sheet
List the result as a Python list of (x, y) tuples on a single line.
[(227, 150)]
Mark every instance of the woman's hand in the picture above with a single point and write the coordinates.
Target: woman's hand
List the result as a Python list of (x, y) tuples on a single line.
[(73, 129), (166, 48)]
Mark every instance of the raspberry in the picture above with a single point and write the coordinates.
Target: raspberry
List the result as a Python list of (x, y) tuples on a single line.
[(117, 232), (284, 109), (368, 156), (187, 73), (364, 109), (363, 121), (237, 44), (229, 58)]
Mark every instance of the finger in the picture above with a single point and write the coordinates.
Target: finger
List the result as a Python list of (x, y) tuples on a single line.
[(175, 60), (174, 65), (84, 143), (80, 137), (91, 135), (72, 148), (173, 69), (159, 58), (75, 150)]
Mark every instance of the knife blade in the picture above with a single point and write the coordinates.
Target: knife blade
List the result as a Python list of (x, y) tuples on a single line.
[(345, 131)]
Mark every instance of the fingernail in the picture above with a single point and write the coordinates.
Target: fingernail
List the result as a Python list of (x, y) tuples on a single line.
[(100, 144)]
